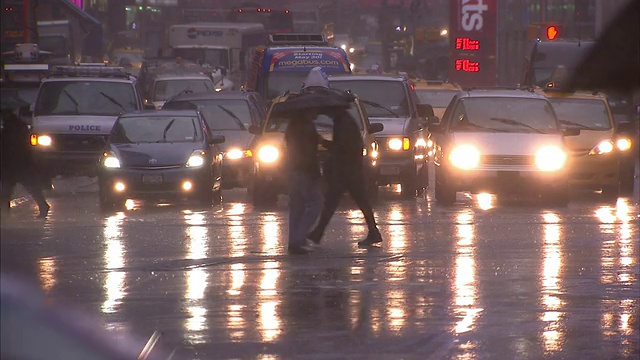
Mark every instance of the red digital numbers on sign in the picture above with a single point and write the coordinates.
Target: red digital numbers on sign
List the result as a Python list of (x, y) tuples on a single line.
[(467, 65), (467, 44)]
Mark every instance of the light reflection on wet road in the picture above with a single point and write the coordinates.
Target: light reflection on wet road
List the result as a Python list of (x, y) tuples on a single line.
[(477, 280)]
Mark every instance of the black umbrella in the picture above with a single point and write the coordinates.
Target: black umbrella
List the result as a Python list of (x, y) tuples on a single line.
[(313, 98), (614, 62)]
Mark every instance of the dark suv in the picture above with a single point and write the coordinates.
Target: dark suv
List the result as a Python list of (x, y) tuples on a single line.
[(229, 113), (392, 101)]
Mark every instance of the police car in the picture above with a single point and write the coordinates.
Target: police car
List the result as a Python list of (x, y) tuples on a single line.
[(74, 112)]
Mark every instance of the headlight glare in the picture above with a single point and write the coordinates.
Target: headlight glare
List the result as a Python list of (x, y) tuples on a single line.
[(195, 160), (623, 144), (465, 157), (234, 154), (40, 140), (268, 154), (395, 144), (112, 162), (603, 147), (550, 158)]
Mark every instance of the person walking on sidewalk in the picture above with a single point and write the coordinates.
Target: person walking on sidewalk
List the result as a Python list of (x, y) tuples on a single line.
[(345, 173), (17, 166)]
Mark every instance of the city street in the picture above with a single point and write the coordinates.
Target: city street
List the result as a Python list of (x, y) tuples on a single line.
[(479, 280)]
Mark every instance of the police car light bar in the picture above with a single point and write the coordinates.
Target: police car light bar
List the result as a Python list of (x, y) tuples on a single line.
[(297, 39), (26, 67), (90, 70)]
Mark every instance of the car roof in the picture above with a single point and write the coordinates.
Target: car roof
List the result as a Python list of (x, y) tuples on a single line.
[(378, 77), (498, 92), (147, 113), (211, 95), (178, 76), (421, 84), (573, 95)]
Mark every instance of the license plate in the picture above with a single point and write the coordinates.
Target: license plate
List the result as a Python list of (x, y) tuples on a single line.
[(389, 170), (152, 179), (509, 175)]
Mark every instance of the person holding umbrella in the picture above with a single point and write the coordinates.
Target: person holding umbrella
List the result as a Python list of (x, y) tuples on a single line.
[(17, 163)]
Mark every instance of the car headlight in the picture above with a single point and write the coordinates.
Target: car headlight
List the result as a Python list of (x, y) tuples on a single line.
[(352, 50), (235, 154), (40, 140), (268, 154), (398, 144), (603, 147), (465, 157), (623, 144), (550, 158), (110, 161), (196, 159)]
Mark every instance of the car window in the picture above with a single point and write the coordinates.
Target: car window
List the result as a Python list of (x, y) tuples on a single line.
[(583, 113), (220, 114), (85, 98), (389, 94), (323, 122), (504, 114), (156, 129), (166, 89)]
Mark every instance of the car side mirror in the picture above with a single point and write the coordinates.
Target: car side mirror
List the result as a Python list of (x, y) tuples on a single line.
[(148, 105), (570, 132), (216, 139), (425, 111), (435, 128), (255, 130), (375, 128)]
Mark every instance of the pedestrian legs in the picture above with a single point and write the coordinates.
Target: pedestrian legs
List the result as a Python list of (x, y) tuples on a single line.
[(332, 196), (305, 201)]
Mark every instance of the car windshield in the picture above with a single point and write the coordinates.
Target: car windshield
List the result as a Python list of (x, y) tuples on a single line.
[(582, 113), (155, 129), (220, 114), (436, 98), (504, 114), (85, 97), (166, 89), (208, 57), (280, 82), (389, 94), (323, 122)]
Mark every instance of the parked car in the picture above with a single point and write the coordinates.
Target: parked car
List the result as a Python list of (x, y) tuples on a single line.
[(597, 152), (501, 141), (229, 113), (268, 148), (160, 155), (392, 101)]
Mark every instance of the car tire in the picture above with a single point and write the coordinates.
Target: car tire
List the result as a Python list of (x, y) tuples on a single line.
[(557, 197), (610, 192), (108, 202), (445, 194), (627, 182), (206, 197), (410, 186), (217, 197), (372, 190)]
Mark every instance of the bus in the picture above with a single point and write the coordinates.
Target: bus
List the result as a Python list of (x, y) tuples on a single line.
[(283, 65)]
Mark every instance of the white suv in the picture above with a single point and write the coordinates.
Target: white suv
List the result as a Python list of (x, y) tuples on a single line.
[(74, 112)]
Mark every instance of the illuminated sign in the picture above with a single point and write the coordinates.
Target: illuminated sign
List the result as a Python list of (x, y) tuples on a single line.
[(306, 60), (467, 44), (472, 34), (552, 32), (467, 65)]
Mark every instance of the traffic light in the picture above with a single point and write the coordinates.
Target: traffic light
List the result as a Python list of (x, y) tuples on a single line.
[(547, 31)]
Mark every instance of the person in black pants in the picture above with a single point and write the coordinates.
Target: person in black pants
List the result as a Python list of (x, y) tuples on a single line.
[(344, 172), (17, 164)]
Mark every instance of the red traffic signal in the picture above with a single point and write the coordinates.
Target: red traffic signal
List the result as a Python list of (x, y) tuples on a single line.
[(552, 32)]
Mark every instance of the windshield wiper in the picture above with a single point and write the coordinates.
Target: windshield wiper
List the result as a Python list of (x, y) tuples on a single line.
[(113, 101), (166, 129), (73, 100), (234, 116), (571, 123), (378, 106), (516, 123)]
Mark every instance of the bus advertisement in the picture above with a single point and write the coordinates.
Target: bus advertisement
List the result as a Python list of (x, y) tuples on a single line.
[(276, 70)]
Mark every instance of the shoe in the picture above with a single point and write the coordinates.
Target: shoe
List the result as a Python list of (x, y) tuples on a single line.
[(371, 239), (315, 237), (297, 250), (44, 211)]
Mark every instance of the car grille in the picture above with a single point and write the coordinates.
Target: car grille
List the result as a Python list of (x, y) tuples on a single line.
[(73, 142), (166, 167), (508, 160)]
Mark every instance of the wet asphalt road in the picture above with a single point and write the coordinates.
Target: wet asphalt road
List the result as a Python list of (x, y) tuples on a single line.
[(479, 280)]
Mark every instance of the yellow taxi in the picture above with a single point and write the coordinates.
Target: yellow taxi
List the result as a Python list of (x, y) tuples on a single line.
[(436, 93), (595, 153)]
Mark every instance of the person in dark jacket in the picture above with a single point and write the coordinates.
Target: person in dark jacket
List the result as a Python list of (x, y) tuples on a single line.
[(305, 197), (17, 163), (344, 172)]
